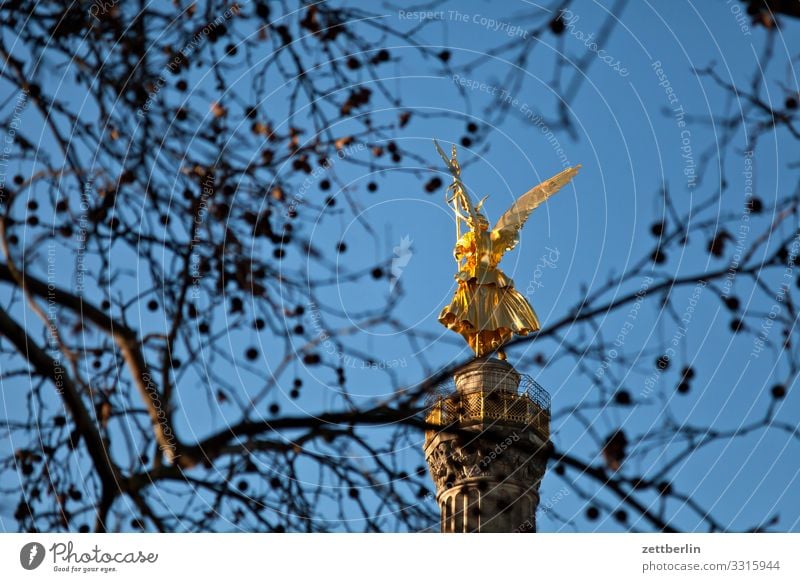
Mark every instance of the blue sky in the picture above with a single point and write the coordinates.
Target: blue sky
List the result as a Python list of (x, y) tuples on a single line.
[(630, 149), (629, 141)]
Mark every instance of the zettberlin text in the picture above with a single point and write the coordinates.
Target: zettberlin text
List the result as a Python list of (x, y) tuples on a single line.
[(667, 549)]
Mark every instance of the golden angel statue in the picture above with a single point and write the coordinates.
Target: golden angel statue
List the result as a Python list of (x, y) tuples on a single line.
[(486, 309)]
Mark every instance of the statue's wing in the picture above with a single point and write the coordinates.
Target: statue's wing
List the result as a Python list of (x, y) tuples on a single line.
[(508, 227)]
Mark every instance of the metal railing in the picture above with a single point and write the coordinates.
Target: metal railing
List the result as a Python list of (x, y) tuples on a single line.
[(529, 406)]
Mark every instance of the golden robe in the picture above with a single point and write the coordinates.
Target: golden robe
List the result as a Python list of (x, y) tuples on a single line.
[(486, 309)]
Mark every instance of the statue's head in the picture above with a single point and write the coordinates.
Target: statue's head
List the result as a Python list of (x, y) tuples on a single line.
[(483, 223)]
